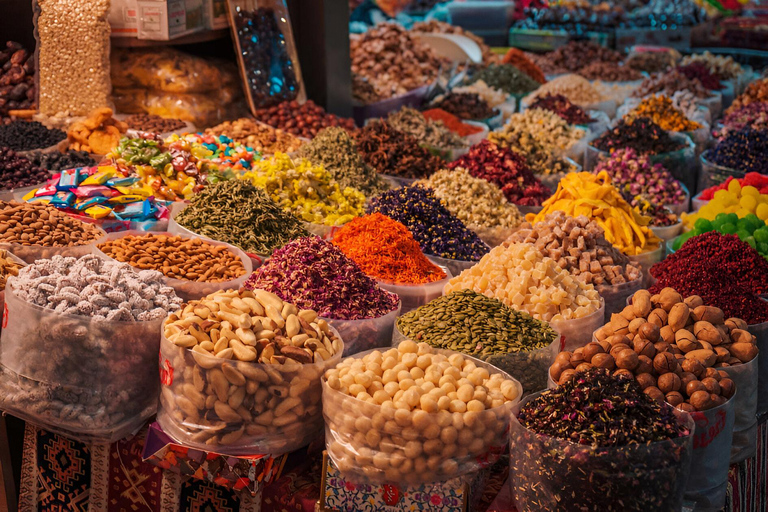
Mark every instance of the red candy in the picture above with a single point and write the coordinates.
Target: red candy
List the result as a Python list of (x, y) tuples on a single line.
[(754, 179)]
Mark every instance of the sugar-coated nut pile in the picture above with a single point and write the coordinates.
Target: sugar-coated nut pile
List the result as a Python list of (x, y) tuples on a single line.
[(673, 348), (190, 259), (393, 60), (578, 245), (574, 87), (492, 96), (475, 201), (153, 123), (261, 137), (252, 370), (38, 224), (668, 83), (417, 414), (8, 267), (545, 127), (73, 56), (723, 66), (99, 133), (523, 278), (95, 287)]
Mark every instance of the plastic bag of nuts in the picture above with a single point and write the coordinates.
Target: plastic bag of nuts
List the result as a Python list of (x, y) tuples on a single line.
[(206, 266), (240, 373), (427, 436), (367, 333)]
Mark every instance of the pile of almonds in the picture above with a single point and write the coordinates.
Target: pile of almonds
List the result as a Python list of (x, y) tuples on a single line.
[(672, 347)]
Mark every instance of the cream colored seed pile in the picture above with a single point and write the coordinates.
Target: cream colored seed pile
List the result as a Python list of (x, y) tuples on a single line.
[(546, 128), (574, 87), (522, 278), (73, 56)]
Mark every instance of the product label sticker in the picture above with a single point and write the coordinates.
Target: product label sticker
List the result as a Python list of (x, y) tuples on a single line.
[(705, 432), (166, 371), (5, 315)]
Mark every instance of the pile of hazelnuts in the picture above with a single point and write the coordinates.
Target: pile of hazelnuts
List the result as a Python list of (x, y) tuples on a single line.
[(671, 354)]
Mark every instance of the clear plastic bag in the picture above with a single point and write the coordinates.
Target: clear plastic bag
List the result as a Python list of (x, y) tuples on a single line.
[(600, 124), (257, 260), (365, 334), (647, 259), (192, 290), (713, 174), (375, 445), (2, 292), (760, 331), (201, 109), (265, 408), (414, 295), (554, 475), (87, 379), (712, 440), (615, 296), (668, 232), (456, 267), (31, 253), (477, 138), (492, 236), (530, 368), (745, 406), (577, 332)]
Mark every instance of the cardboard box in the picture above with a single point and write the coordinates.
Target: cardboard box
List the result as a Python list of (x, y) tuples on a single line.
[(244, 473), (215, 12), (162, 20), (460, 494), (124, 18)]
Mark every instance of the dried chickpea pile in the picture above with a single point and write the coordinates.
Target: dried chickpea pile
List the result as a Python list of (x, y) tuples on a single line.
[(412, 413), (252, 369), (523, 278), (190, 259), (38, 224), (674, 348)]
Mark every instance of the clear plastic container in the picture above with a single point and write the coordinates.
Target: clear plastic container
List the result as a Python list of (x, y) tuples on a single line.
[(713, 174), (492, 236), (266, 52), (712, 441), (31, 253), (745, 406), (366, 334), (525, 210), (456, 267), (697, 202), (577, 150), (668, 232), (681, 163), (555, 475), (87, 379), (257, 260), (262, 408), (187, 289), (398, 181), (321, 230), (477, 138), (615, 296), (647, 259), (760, 331), (412, 448), (414, 295), (529, 367), (577, 332), (2, 292)]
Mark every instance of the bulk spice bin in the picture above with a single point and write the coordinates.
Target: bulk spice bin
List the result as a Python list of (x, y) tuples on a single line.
[(266, 52), (264, 398), (188, 289), (417, 443), (79, 374)]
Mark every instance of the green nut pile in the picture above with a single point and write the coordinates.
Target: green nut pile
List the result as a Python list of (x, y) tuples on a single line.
[(469, 322)]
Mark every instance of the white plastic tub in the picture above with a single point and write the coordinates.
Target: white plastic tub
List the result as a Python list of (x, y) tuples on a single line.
[(414, 295), (668, 232)]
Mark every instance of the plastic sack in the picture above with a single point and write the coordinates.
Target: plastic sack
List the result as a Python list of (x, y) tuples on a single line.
[(668, 232), (456, 267), (760, 331), (745, 406), (201, 109), (477, 138), (271, 408), (414, 295), (553, 475), (169, 70), (615, 296), (608, 107), (713, 174), (323, 231), (577, 332), (712, 440), (647, 259), (186, 289), (375, 445), (397, 181), (576, 151), (31, 253), (529, 367), (714, 103), (600, 124), (87, 379), (365, 334), (174, 228)]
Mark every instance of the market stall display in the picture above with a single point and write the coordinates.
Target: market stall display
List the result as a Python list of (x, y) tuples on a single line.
[(98, 133), (609, 72), (736, 202), (241, 379), (756, 92), (507, 78), (652, 61), (356, 406), (562, 106), (574, 87), (668, 83), (465, 105), (753, 115), (440, 27), (519, 60)]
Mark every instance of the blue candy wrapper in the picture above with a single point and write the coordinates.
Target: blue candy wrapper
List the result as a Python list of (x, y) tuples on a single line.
[(137, 211), (122, 182), (63, 199), (70, 179), (84, 205)]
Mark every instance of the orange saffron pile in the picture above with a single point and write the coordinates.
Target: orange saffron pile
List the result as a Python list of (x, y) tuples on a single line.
[(451, 122), (386, 250), (518, 59)]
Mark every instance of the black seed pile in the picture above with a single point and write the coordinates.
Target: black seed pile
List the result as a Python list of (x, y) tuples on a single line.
[(27, 135)]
